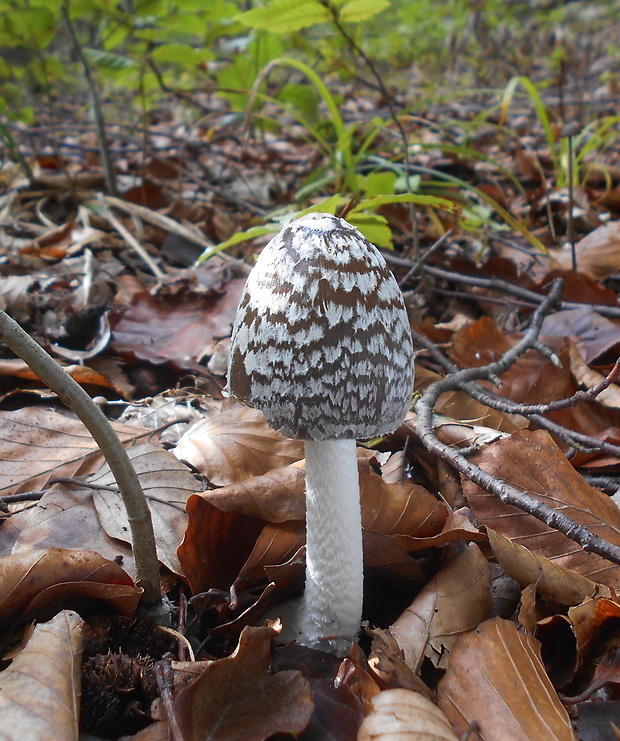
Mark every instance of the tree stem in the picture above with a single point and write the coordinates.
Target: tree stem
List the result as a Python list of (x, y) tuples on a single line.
[(74, 396)]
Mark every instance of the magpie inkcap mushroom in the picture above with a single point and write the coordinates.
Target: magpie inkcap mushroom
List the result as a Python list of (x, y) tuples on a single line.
[(322, 345)]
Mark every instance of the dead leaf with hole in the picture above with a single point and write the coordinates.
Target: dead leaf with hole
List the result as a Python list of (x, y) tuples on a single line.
[(496, 678), (40, 690), (236, 444), (37, 582), (404, 715), (239, 699), (454, 602), (167, 484), (532, 462), (37, 444)]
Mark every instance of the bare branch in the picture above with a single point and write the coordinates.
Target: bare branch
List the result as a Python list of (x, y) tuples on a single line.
[(463, 379)]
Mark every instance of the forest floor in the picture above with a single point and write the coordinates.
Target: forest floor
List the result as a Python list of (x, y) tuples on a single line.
[(491, 520)]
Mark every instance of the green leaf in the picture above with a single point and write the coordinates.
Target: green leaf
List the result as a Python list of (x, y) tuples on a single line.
[(356, 11), (182, 54), (379, 183), (30, 25), (301, 97), (109, 60), (241, 73), (251, 233), (286, 16), (374, 227), (369, 204)]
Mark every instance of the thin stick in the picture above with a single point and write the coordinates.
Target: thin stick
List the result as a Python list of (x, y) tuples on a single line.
[(507, 493), (99, 120), (133, 242)]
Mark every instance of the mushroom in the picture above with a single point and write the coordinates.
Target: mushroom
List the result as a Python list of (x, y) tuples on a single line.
[(322, 345)]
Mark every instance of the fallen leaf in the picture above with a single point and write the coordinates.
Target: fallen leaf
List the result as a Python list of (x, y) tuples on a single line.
[(404, 715), (239, 699), (593, 334), (66, 517), (235, 445), (453, 602), (40, 690), (37, 444), (42, 580), (598, 253), (167, 484), (178, 327), (216, 545), (532, 462), (551, 580), (496, 678)]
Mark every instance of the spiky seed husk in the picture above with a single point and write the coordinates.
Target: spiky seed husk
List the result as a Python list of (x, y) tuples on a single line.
[(322, 343)]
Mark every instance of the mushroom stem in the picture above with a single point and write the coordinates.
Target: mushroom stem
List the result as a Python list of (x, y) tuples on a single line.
[(332, 603)]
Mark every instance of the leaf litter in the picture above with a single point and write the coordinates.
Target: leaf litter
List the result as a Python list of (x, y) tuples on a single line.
[(482, 619)]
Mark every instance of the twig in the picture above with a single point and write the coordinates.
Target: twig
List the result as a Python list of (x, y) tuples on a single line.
[(496, 284), (132, 242), (165, 683), (101, 135), (576, 440), (74, 396), (507, 493)]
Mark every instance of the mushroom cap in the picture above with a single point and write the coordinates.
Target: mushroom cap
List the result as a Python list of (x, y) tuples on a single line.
[(322, 342)]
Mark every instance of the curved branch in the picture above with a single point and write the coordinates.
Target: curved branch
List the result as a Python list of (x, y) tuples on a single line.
[(74, 396), (507, 493)]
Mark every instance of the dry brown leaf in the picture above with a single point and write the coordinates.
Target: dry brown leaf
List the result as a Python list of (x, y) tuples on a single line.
[(276, 496), (40, 690), (42, 580), (532, 462), (235, 445), (387, 664), (456, 528), (593, 334), (403, 508), (276, 544), (598, 253), (216, 544), (587, 377), (239, 699), (37, 444), (81, 373), (460, 407), (496, 678), (167, 484), (549, 578), (65, 517), (178, 324), (455, 601), (279, 495), (404, 715), (533, 379)]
